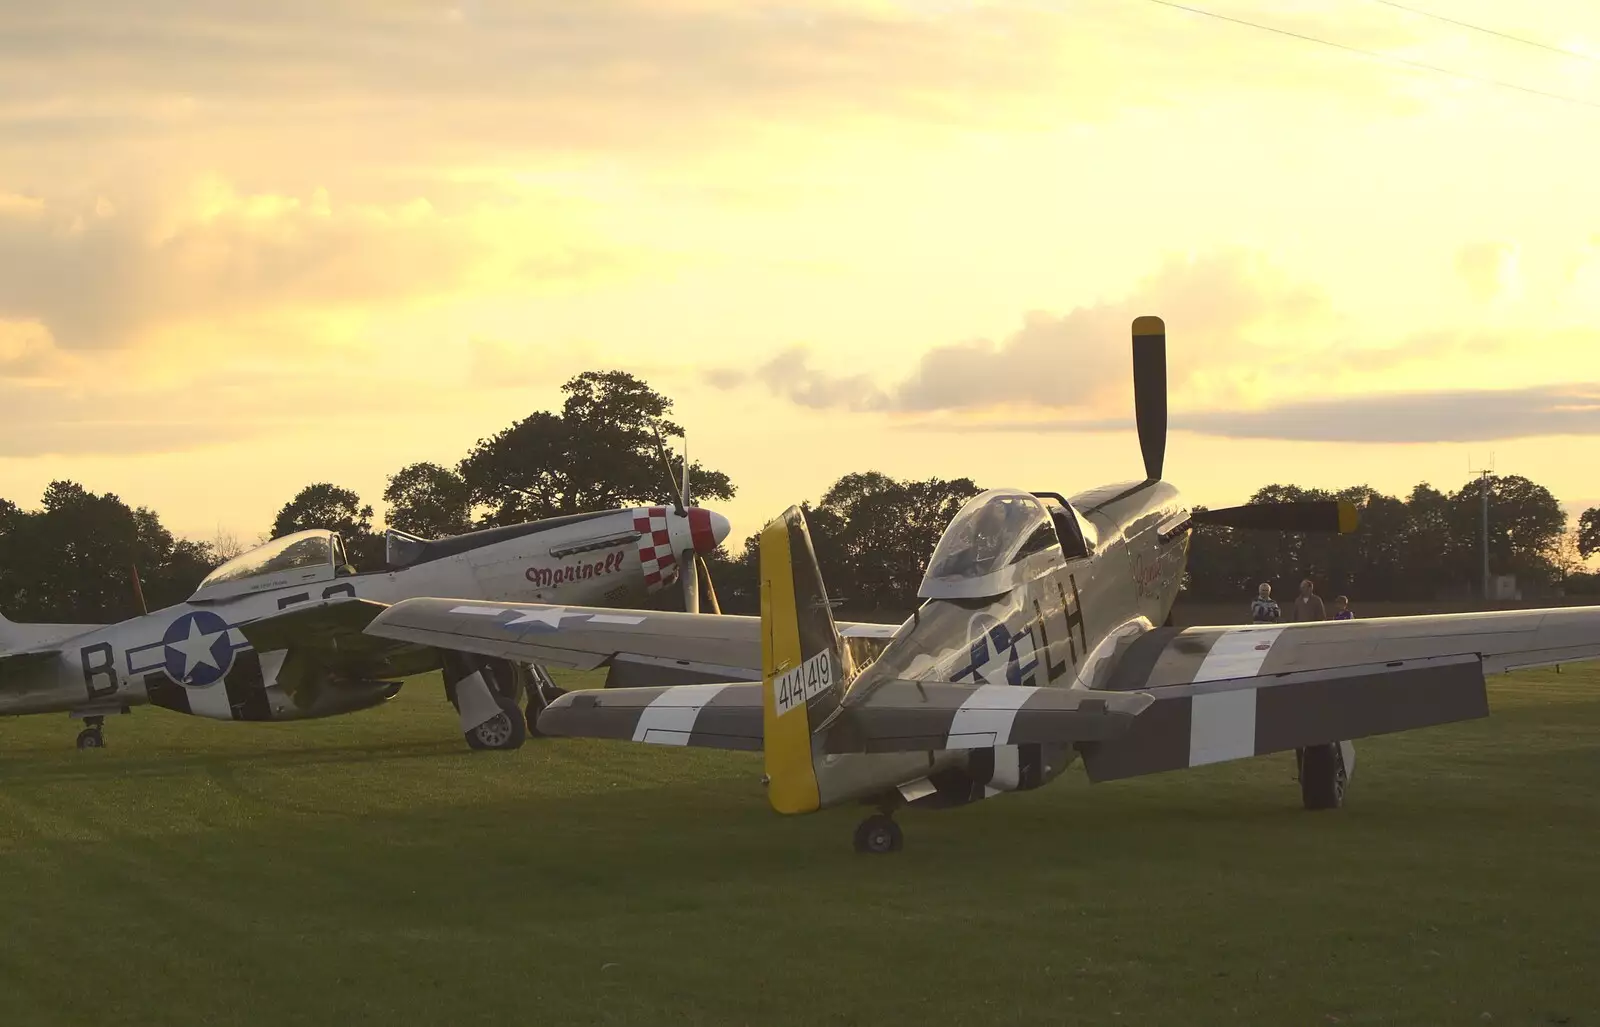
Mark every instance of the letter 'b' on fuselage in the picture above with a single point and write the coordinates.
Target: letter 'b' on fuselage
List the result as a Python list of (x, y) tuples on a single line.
[(803, 664)]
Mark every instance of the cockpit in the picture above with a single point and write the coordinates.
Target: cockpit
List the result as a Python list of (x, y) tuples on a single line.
[(303, 557), (981, 551)]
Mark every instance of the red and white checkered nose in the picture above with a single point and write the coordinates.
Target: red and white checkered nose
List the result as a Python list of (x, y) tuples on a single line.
[(664, 536), (707, 530)]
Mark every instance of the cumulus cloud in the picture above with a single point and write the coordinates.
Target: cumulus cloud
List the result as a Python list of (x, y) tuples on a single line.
[(1238, 331), (1218, 303), (484, 77), (103, 405), (790, 375), (1457, 416), (1465, 415), (98, 273), (1487, 268)]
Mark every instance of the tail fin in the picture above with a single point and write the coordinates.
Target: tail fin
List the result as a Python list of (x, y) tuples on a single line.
[(8, 634), (804, 665)]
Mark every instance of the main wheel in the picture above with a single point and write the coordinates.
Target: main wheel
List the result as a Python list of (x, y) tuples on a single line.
[(1323, 777), (91, 738), (505, 730), (879, 835)]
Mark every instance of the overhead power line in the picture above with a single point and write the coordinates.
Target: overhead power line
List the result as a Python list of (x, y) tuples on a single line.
[(1380, 55), (1488, 31)]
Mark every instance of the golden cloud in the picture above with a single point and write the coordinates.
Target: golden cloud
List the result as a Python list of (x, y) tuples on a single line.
[(101, 274)]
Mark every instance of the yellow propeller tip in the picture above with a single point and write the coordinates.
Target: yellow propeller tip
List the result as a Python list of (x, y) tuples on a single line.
[(1149, 324)]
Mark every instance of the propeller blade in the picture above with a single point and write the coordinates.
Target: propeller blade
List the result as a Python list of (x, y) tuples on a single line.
[(711, 589), (1314, 515), (672, 479), (686, 501), (1150, 391), (691, 581)]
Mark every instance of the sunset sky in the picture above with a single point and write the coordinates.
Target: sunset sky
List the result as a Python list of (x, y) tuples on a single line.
[(249, 246)]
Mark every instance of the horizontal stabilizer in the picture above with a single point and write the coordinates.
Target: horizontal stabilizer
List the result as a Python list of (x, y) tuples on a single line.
[(925, 716), (716, 716), (1192, 725), (15, 666), (657, 647)]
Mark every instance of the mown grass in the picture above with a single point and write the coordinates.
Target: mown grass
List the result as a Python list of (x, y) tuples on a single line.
[(369, 869)]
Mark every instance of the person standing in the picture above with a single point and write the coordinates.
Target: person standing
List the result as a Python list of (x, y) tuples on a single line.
[(1341, 609), (1264, 610), (1308, 605)]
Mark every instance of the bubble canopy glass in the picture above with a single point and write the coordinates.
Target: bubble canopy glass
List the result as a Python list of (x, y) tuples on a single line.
[(979, 553), (291, 560)]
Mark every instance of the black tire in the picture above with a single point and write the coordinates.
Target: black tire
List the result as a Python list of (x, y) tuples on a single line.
[(501, 733), (1322, 777), (879, 835), (91, 738)]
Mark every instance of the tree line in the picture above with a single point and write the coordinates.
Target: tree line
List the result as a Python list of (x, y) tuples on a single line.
[(71, 558)]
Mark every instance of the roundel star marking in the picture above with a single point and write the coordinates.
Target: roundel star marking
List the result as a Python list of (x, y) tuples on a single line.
[(197, 648)]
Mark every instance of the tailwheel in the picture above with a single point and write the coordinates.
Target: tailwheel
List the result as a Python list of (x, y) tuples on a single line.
[(1323, 776), (92, 736), (505, 730), (879, 835)]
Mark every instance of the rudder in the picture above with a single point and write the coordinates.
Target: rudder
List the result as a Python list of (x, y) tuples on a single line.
[(804, 665)]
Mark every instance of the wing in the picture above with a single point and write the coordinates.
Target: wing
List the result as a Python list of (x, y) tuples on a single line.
[(1504, 640), (640, 647), (327, 638), (1227, 693)]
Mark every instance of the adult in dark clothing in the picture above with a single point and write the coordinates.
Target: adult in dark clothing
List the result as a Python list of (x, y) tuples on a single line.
[(1308, 605)]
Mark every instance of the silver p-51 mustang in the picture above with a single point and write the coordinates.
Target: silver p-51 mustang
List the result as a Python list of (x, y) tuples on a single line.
[(1044, 637), (275, 633)]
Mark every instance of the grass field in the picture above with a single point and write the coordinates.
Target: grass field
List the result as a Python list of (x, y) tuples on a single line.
[(370, 870)]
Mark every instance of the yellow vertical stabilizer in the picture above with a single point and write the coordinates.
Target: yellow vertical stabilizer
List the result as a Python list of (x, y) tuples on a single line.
[(804, 667)]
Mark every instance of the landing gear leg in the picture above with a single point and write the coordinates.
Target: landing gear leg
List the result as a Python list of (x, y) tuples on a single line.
[(93, 735), (879, 835), (542, 691)]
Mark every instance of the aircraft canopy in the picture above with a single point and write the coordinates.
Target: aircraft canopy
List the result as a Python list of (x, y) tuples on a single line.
[(302, 557), (979, 551)]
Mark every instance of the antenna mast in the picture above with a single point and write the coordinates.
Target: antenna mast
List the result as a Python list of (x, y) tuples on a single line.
[(1485, 474)]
